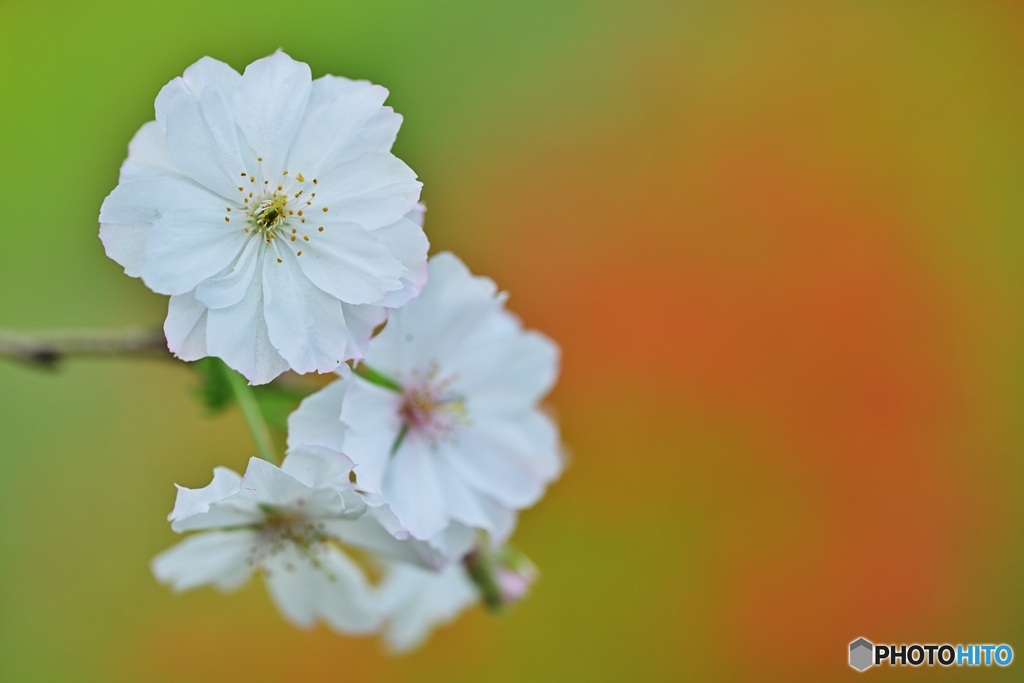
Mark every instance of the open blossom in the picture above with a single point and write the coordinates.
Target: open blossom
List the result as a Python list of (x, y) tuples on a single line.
[(446, 430), (270, 208), (293, 525)]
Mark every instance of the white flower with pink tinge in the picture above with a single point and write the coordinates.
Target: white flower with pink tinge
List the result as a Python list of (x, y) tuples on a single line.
[(442, 422), (295, 524), (270, 208)]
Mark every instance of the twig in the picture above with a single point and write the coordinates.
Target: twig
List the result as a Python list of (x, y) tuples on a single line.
[(253, 415), (46, 350)]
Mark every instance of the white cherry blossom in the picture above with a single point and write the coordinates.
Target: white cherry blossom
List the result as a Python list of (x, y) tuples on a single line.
[(295, 525), (269, 207), (447, 430)]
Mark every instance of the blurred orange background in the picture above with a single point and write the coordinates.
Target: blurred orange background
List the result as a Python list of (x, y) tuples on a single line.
[(779, 243)]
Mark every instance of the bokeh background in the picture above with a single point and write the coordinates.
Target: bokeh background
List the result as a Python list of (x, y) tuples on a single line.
[(781, 245)]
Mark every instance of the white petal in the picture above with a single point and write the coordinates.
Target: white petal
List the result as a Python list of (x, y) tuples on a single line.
[(148, 155), (267, 483), (326, 585), (413, 492), (186, 247), (317, 420), (344, 119), (463, 503), (454, 542), (415, 601), (361, 322), (231, 284), (407, 241), (215, 506), (185, 327), (370, 415), (447, 310), (126, 244), (201, 135), (511, 461), (304, 323), (502, 521), (189, 502), (350, 263), (374, 190), (128, 214), (501, 366), (213, 73), (217, 558), (318, 467), (269, 104), (238, 335), (367, 533)]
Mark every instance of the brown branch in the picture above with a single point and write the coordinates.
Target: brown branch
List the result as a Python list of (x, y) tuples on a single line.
[(46, 350)]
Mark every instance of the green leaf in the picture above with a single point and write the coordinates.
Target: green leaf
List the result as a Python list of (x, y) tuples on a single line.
[(277, 402), (214, 391)]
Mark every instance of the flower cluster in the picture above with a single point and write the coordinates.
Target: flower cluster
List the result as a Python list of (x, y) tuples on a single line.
[(270, 208)]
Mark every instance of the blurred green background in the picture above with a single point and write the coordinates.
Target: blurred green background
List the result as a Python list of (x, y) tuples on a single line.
[(780, 244)]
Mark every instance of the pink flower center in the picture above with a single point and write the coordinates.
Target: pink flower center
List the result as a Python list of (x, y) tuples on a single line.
[(429, 410)]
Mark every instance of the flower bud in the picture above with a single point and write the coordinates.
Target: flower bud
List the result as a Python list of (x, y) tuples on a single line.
[(504, 576)]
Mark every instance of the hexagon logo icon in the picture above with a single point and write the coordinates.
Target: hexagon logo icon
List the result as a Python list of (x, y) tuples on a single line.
[(862, 653)]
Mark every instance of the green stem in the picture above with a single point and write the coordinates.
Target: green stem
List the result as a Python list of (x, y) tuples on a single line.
[(253, 416), (481, 571), (374, 377)]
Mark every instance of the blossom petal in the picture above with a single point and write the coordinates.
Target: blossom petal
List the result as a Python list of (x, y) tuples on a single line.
[(463, 504), (128, 213), (501, 520), (304, 323), (510, 461), (318, 467), (344, 119), (370, 414), (361, 322), (351, 264), (238, 335), (172, 263), (213, 73), (415, 601), (231, 284), (317, 420), (201, 135), (407, 241), (413, 491), (269, 105), (215, 506), (148, 155), (185, 327), (191, 502), (324, 584), (438, 319), (215, 557), (367, 533), (268, 484), (504, 368), (374, 190)]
